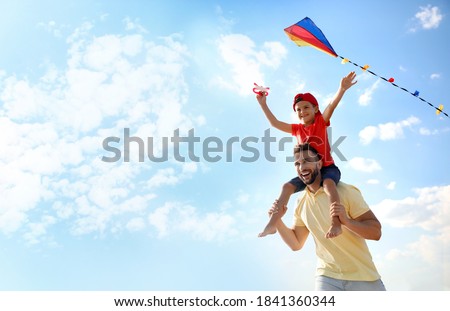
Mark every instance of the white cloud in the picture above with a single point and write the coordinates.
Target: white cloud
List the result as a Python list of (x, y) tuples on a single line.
[(367, 134), (172, 175), (134, 25), (391, 185), (428, 257), (426, 260), (136, 224), (175, 218), (39, 230), (245, 61), (434, 76), (364, 165), (106, 198), (163, 177), (243, 198), (366, 98), (429, 17), (272, 54), (53, 128), (373, 181), (189, 167), (53, 28), (426, 132), (223, 222), (22, 101), (386, 131), (429, 209), (14, 183)]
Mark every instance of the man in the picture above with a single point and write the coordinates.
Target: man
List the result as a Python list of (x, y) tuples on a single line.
[(345, 262)]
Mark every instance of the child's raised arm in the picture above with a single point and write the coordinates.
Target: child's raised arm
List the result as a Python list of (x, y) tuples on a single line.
[(346, 83), (282, 126)]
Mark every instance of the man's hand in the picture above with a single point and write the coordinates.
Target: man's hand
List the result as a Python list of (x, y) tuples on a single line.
[(337, 209)]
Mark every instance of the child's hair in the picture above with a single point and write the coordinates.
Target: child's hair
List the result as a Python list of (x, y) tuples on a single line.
[(306, 147)]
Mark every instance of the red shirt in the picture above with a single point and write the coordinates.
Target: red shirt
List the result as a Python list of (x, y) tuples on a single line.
[(316, 135)]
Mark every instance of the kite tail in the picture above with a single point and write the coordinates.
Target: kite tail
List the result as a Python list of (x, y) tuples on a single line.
[(415, 94)]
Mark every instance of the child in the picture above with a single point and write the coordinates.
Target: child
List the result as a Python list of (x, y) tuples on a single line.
[(313, 129)]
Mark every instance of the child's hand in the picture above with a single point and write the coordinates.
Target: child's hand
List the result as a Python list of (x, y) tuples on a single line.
[(347, 82), (261, 99)]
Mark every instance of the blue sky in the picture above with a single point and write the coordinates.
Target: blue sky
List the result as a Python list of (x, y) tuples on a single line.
[(76, 73)]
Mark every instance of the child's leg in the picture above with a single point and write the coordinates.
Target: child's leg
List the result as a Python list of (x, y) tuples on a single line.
[(330, 189), (286, 191)]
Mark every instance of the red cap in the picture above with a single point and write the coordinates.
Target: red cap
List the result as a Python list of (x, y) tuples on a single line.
[(308, 97)]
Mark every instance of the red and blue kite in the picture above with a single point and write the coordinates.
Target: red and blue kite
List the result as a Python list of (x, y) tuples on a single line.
[(306, 33)]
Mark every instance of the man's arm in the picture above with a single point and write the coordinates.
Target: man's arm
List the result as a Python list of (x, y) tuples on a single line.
[(346, 83), (282, 126), (295, 238), (366, 226)]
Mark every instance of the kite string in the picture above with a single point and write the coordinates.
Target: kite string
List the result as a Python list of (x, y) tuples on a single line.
[(402, 88)]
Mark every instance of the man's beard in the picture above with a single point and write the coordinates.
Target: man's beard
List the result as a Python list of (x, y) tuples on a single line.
[(313, 177)]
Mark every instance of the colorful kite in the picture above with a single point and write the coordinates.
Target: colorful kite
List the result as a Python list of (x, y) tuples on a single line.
[(306, 33)]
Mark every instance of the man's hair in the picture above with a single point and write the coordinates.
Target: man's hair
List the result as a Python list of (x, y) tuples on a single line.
[(306, 147)]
